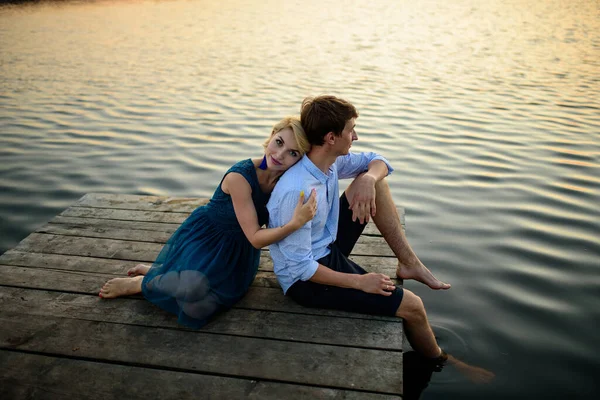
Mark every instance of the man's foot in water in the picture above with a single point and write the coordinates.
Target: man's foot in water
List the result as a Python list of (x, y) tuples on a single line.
[(471, 372)]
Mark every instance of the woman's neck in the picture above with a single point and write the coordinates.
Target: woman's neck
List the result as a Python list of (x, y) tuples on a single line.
[(266, 178)]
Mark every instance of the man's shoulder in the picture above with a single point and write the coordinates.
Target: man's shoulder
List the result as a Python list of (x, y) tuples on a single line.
[(296, 174), (292, 180)]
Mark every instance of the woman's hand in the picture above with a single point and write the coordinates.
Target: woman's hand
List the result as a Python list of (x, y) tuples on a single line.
[(376, 284), (304, 212)]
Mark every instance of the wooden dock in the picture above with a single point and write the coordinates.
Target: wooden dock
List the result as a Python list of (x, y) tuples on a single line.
[(59, 340)]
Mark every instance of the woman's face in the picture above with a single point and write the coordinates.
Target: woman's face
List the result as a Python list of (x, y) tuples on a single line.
[(282, 151)]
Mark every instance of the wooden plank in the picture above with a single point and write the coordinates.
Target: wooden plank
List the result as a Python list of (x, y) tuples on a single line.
[(90, 247), (366, 245), (125, 215), (119, 268), (103, 269), (89, 222), (70, 263), (82, 281), (141, 202), (125, 233), (115, 223), (257, 298), (249, 358), (340, 331), (156, 216), (39, 377), (151, 203), (144, 251)]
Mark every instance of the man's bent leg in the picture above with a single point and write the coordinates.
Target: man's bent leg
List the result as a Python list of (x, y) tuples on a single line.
[(388, 222), (417, 328), (348, 231)]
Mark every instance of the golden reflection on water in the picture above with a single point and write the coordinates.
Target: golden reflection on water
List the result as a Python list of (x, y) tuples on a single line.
[(574, 188)]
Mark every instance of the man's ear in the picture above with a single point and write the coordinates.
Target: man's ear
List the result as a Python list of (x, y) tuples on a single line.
[(330, 138)]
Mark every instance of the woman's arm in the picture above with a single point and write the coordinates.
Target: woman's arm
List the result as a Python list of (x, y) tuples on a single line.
[(241, 195)]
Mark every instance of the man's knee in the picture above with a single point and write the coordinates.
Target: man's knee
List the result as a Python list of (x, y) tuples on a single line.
[(412, 307), (382, 184)]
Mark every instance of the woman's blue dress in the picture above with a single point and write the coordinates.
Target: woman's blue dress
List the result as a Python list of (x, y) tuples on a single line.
[(208, 264)]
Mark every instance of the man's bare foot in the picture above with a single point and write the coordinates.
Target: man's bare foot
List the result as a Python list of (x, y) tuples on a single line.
[(140, 269), (121, 287), (474, 374), (422, 274)]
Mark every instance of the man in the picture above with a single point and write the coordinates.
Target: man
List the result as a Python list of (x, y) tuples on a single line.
[(312, 263)]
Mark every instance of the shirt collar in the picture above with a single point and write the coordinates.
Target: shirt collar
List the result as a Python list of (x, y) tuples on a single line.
[(313, 170)]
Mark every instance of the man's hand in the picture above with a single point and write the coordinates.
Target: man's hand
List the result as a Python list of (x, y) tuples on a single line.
[(362, 202), (376, 284)]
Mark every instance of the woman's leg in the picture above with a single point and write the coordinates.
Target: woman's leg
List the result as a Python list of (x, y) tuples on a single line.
[(140, 269)]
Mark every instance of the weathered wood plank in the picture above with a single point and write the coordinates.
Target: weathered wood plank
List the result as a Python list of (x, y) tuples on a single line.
[(248, 358), (150, 203), (65, 262), (141, 202), (155, 216), (82, 282), (384, 265), (257, 298), (260, 298), (90, 247), (38, 377), (144, 251), (124, 233), (87, 282), (125, 215), (104, 269), (250, 323), (366, 245), (115, 223)]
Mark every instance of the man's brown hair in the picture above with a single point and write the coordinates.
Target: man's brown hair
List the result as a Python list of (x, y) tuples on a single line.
[(323, 114)]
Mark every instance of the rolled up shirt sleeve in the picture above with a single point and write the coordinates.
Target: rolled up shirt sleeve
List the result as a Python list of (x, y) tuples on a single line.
[(292, 256), (352, 164)]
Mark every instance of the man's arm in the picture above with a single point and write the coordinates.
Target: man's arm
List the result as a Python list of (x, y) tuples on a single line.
[(370, 283), (361, 194), (368, 168)]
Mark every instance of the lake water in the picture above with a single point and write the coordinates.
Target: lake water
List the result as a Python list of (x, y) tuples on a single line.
[(488, 110)]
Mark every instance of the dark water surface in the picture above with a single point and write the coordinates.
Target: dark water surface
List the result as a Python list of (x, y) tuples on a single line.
[(488, 110)]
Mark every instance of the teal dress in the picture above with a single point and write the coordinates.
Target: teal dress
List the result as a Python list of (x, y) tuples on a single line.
[(208, 264)]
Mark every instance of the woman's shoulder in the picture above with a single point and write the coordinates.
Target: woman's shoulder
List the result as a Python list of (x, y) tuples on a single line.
[(244, 167)]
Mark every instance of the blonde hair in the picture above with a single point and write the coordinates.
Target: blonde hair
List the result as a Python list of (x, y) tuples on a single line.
[(294, 124)]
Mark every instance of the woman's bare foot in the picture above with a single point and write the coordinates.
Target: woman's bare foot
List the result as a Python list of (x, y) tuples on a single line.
[(422, 274), (474, 374), (140, 269), (121, 287)]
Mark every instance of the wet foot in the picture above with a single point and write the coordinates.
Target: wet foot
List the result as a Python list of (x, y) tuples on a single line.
[(140, 269), (473, 373), (422, 274), (121, 287)]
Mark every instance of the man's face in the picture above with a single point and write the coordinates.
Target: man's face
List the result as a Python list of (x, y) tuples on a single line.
[(348, 135)]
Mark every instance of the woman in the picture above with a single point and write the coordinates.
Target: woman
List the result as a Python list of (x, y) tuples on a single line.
[(209, 263)]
